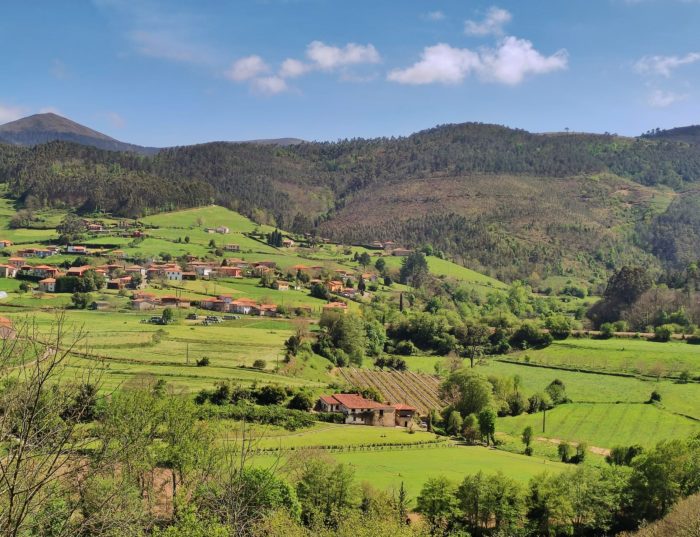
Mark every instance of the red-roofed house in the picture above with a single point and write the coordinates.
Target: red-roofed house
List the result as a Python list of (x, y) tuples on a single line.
[(47, 285), (44, 271), (8, 271), (78, 271), (5, 243), (358, 410)]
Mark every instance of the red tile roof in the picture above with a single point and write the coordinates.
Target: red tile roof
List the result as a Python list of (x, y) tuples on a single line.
[(351, 400)]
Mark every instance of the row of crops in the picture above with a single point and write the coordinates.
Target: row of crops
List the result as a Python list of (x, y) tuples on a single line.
[(407, 387)]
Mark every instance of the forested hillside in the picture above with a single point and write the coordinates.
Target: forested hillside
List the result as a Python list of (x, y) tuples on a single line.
[(505, 201)]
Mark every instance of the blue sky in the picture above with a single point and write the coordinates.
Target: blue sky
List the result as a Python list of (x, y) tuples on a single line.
[(171, 72)]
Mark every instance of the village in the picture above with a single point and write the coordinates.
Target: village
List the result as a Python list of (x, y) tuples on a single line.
[(114, 269)]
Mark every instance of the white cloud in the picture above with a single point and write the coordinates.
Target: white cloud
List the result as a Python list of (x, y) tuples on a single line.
[(509, 64), (496, 18), (515, 58), (321, 57), (664, 65), (328, 57), (10, 113), (435, 16), (270, 85), (664, 99), (441, 64), (247, 68), (292, 68)]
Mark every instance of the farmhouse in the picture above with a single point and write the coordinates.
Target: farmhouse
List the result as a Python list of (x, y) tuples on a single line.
[(16, 262), (143, 304), (76, 249), (44, 271), (230, 272), (5, 243), (47, 285), (335, 306), (287, 243), (281, 285), (401, 252), (135, 269), (360, 411), (335, 286), (119, 283), (232, 248), (8, 271), (78, 271), (174, 301)]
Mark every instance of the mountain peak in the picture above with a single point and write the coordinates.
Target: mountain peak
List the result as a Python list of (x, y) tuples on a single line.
[(48, 127)]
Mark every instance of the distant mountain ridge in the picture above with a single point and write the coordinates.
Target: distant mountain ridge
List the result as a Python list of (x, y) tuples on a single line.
[(689, 134), (503, 201), (49, 127)]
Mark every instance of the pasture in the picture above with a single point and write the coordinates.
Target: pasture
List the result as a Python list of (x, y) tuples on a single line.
[(623, 355), (605, 425)]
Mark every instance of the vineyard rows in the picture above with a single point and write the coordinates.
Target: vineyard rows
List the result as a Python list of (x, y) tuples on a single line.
[(407, 387)]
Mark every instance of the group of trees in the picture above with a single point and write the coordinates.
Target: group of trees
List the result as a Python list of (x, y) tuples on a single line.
[(633, 302), (584, 501)]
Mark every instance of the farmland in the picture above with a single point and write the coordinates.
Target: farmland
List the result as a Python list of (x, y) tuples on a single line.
[(420, 391)]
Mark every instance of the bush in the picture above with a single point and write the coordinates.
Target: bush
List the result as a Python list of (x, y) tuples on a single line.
[(259, 364), (663, 333), (203, 362), (266, 415), (301, 401), (607, 330), (564, 451), (406, 348), (271, 394), (530, 336), (655, 397)]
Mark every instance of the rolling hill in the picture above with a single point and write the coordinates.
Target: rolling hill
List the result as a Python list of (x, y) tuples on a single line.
[(503, 201)]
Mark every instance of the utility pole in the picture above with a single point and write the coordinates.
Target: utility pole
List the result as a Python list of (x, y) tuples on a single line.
[(544, 417), (188, 354)]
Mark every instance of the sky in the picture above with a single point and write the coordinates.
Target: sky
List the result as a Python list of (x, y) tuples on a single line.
[(176, 72)]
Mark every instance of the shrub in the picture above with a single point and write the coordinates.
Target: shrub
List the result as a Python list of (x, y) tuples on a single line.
[(564, 451), (406, 348), (663, 333), (607, 330), (259, 364), (530, 336), (655, 397), (271, 394), (301, 401), (203, 362)]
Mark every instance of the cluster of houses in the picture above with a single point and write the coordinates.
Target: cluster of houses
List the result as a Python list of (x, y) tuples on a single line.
[(360, 411), (390, 247)]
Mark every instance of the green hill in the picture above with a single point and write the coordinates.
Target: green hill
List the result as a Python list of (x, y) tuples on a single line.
[(505, 202)]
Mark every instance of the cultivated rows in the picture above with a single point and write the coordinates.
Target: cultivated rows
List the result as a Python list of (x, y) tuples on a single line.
[(418, 390)]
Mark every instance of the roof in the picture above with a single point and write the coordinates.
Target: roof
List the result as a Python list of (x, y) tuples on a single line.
[(47, 280), (351, 400), (401, 406), (334, 305)]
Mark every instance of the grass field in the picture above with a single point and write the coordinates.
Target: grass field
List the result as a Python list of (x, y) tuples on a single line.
[(323, 434), (637, 356), (388, 469), (605, 425)]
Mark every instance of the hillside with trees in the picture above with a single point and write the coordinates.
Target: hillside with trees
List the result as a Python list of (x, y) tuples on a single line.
[(503, 201)]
